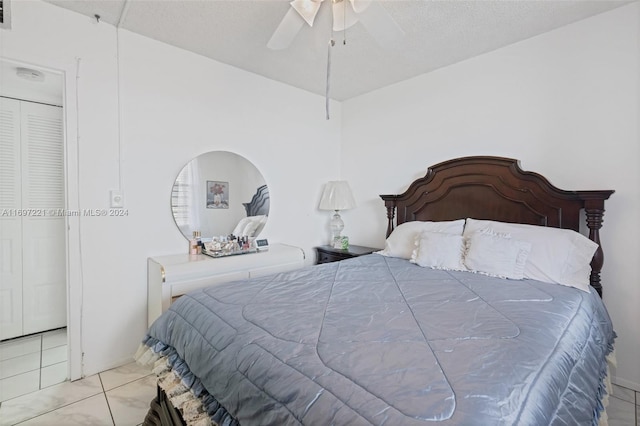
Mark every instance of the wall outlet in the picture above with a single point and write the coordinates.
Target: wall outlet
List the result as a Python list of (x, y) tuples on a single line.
[(117, 199)]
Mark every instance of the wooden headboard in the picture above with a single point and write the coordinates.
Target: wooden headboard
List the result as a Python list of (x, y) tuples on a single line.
[(496, 188), (259, 204)]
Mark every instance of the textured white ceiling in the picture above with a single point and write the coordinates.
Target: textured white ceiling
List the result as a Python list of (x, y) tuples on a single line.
[(437, 34)]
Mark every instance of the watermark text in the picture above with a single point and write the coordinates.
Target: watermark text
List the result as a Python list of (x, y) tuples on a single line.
[(63, 213)]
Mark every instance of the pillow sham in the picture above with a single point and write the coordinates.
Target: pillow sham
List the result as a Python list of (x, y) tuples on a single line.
[(496, 254), (559, 256), (256, 223), (239, 229), (401, 242), (438, 250), (262, 221), (250, 229), (248, 226)]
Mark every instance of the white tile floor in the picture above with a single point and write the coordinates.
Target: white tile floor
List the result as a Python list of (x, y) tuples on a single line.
[(624, 407), (120, 397), (117, 397), (32, 362)]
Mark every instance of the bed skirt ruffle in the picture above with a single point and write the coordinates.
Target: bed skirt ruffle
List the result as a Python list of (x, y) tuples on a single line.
[(182, 388), (199, 408), (606, 390)]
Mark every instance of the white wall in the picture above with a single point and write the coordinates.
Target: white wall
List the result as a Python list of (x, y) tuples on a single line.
[(175, 105), (565, 103)]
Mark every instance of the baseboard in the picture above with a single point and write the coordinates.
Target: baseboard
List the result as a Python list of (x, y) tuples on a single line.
[(625, 383), (110, 366)]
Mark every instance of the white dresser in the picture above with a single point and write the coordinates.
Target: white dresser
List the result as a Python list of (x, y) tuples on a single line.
[(169, 277)]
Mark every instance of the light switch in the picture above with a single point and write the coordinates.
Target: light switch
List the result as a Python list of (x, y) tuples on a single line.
[(117, 199)]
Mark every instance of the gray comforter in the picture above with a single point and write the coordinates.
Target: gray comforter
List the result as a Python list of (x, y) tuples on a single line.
[(376, 340)]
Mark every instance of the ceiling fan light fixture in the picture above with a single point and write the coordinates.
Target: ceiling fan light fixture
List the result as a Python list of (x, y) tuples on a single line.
[(308, 9)]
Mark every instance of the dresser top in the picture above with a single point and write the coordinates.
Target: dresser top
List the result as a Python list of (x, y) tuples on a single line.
[(186, 265), (176, 259)]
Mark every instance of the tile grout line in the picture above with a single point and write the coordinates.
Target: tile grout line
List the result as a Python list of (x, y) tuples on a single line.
[(57, 408), (102, 389), (106, 399), (40, 371), (129, 382), (635, 402)]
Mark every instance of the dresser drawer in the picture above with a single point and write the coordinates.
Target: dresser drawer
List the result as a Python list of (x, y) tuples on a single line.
[(324, 257), (169, 277), (327, 254)]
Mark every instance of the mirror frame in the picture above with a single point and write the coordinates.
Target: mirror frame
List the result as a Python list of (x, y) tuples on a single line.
[(239, 187)]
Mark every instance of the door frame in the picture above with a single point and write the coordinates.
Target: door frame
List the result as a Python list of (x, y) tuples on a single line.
[(74, 273), (70, 97)]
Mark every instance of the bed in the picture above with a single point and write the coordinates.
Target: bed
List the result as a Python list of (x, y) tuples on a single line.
[(259, 204), (409, 336), (257, 214)]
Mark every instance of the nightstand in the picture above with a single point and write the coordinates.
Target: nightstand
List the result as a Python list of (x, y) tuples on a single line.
[(326, 254)]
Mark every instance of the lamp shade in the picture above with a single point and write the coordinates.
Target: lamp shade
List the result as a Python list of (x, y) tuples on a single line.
[(337, 196)]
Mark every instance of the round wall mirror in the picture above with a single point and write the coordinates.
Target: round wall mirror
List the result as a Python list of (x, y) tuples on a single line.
[(215, 192)]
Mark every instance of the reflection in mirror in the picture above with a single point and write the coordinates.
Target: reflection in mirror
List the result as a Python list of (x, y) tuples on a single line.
[(216, 192)]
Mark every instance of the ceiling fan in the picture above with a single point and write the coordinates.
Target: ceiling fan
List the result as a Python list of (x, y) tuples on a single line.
[(346, 13)]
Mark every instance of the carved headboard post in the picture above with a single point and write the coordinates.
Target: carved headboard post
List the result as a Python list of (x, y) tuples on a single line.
[(390, 204), (259, 204), (594, 209)]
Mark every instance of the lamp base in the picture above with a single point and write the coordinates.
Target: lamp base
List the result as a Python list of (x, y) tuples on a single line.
[(341, 243), (336, 225)]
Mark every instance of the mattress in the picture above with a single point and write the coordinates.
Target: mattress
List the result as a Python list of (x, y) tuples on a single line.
[(378, 340)]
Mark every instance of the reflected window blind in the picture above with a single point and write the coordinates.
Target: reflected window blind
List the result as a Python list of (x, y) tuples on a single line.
[(181, 194)]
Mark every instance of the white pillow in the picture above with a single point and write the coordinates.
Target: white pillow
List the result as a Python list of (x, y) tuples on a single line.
[(259, 218), (239, 229), (249, 225), (401, 242), (255, 223), (496, 255), (262, 221), (438, 250), (559, 256), (250, 229)]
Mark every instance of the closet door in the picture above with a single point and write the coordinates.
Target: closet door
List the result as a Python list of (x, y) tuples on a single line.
[(43, 233), (10, 222)]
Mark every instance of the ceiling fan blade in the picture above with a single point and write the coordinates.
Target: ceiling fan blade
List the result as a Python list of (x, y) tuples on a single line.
[(308, 9), (381, 25), (286, 31), (359, 6)]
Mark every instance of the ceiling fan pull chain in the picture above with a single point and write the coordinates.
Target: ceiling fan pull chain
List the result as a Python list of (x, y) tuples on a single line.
[(326, 96), (344, 23)]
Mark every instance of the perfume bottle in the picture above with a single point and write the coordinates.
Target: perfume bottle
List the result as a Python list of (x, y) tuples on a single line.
[(199, 243), (194, 245)]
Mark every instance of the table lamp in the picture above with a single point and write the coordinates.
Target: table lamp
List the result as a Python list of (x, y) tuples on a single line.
[(336, 196)]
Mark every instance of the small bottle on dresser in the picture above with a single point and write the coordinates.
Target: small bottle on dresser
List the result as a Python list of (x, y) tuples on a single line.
[(194, 243), (199, 243)]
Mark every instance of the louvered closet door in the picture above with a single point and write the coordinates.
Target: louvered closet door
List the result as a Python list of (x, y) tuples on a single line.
[(43, 237), (10, 222)]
